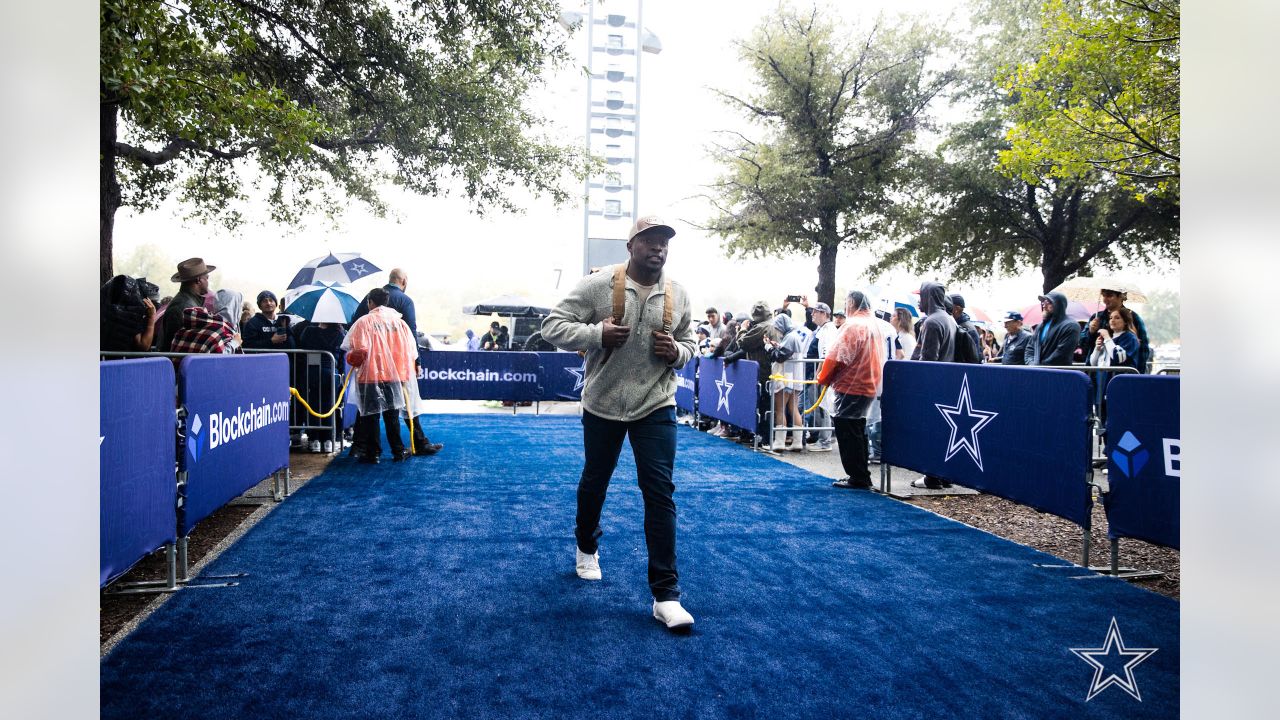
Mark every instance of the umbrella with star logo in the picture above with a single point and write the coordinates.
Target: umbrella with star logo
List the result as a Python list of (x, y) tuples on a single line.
[(333, 268)]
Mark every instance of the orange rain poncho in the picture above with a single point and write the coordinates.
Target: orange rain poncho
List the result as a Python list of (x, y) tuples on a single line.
[(390, 352), (854, 363)]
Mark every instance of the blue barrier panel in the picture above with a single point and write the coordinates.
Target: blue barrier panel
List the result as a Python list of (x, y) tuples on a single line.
[(563, 374), (728, 393), (350, 411), (137, 427), (237, 427), (687, 384), (1017, 432), (1144, 456), (449, 375)]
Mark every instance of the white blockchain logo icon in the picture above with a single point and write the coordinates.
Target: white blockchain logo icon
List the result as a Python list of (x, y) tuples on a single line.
[(1114, 652), (963, 414)]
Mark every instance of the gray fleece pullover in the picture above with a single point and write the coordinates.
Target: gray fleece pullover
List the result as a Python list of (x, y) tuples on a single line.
[(634, 382)]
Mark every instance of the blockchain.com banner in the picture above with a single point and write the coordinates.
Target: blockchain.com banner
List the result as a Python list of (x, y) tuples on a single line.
[(446, 375), (237, 427), (1144, 455)]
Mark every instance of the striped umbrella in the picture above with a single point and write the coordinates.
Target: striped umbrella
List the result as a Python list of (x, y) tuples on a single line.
[(331, 268), (324, 303)]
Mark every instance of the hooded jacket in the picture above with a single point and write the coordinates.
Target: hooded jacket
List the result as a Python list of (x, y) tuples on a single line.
[(937, 335), (1055, 341), (749, 344), (634, 382)]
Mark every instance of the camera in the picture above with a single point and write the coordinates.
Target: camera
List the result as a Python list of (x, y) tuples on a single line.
[(793, 298)]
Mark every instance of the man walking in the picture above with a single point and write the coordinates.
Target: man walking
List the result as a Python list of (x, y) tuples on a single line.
[(632, 352)]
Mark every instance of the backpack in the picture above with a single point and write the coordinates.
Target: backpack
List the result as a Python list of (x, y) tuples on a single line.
[(966, 348)]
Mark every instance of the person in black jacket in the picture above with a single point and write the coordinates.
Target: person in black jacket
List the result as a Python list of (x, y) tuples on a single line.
[(751, 345), (1055, 341), (268, 330), (1016, 340)]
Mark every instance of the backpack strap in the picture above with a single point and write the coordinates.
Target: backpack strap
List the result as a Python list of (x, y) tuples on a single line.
[(619, 293), (668, 307)]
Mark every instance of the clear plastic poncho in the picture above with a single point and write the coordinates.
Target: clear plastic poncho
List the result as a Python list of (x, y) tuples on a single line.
[(858, 352), (386, 379)]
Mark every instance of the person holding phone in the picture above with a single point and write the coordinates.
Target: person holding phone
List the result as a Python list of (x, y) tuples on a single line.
[(268, 330)]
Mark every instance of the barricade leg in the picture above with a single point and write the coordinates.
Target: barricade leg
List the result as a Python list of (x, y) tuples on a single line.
[(150, 587), (200, 582)]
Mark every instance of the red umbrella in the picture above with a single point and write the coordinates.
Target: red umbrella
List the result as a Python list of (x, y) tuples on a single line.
[(1076, 310)]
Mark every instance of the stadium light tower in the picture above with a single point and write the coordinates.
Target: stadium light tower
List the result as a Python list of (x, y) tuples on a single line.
[(616, 36)]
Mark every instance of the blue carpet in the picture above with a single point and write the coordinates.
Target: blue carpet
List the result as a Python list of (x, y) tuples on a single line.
[(444, 587)]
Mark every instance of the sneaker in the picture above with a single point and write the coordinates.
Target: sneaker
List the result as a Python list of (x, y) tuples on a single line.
[(327, 446), (873, 459), (429, 449), (315, 446), (669, 613), (819, 448), (850, 484), (928, 483), (588, 565)]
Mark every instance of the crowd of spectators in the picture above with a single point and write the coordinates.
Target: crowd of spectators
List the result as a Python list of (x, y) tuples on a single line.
[(780, 340)]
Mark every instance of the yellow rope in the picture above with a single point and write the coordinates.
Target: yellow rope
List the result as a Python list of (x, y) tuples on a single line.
[(788, 379), (294, 392)]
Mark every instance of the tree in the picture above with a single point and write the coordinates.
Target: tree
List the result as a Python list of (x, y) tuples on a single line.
[(838, 119), (315, 102), (1101, 97), (966, 217)]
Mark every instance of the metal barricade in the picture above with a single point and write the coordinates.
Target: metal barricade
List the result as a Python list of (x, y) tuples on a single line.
[(1097, 409), (301, 364), (775, 386)]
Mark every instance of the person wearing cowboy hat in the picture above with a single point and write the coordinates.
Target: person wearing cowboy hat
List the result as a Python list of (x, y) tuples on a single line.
[(193, 277)]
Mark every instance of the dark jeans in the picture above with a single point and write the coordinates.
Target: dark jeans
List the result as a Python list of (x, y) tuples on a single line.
[(367, 433), (851, 435), (653, 443)]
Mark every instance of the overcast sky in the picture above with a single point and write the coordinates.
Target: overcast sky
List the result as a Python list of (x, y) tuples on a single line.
[(455, 257)]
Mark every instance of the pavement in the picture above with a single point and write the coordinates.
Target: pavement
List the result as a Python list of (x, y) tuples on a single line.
[(826, 464)]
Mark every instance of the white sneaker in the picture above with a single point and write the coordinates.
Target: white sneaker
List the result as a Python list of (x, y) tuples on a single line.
[(328, 446), (670, 613), (315, 446), (819, 448), (588, 565)]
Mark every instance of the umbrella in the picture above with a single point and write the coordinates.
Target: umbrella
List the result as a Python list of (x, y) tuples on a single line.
[(510, 305), (1088, 289), (340, 268), (1075, 310), (324, 303)]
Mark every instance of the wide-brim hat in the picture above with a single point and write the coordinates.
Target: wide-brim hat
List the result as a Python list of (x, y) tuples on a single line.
[(651, 223), (190, 269)]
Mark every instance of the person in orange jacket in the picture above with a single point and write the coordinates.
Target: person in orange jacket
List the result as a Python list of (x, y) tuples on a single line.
[(853, 371), (382, 349)]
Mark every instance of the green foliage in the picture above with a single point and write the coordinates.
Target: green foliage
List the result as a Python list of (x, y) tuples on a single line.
[(308, 103), (967, 218), (837, 111), (1101, 96)]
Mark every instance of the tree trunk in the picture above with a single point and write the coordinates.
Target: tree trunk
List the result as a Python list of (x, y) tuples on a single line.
[(108, 188), (827, 275)]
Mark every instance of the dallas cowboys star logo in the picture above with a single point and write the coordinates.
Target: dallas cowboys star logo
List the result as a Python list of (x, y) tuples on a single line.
[(578, 374), (724, 387), (962, 413), (359, 269), (1097, 656)]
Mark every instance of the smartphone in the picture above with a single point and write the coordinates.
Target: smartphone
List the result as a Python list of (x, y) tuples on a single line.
[(793, 298)]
